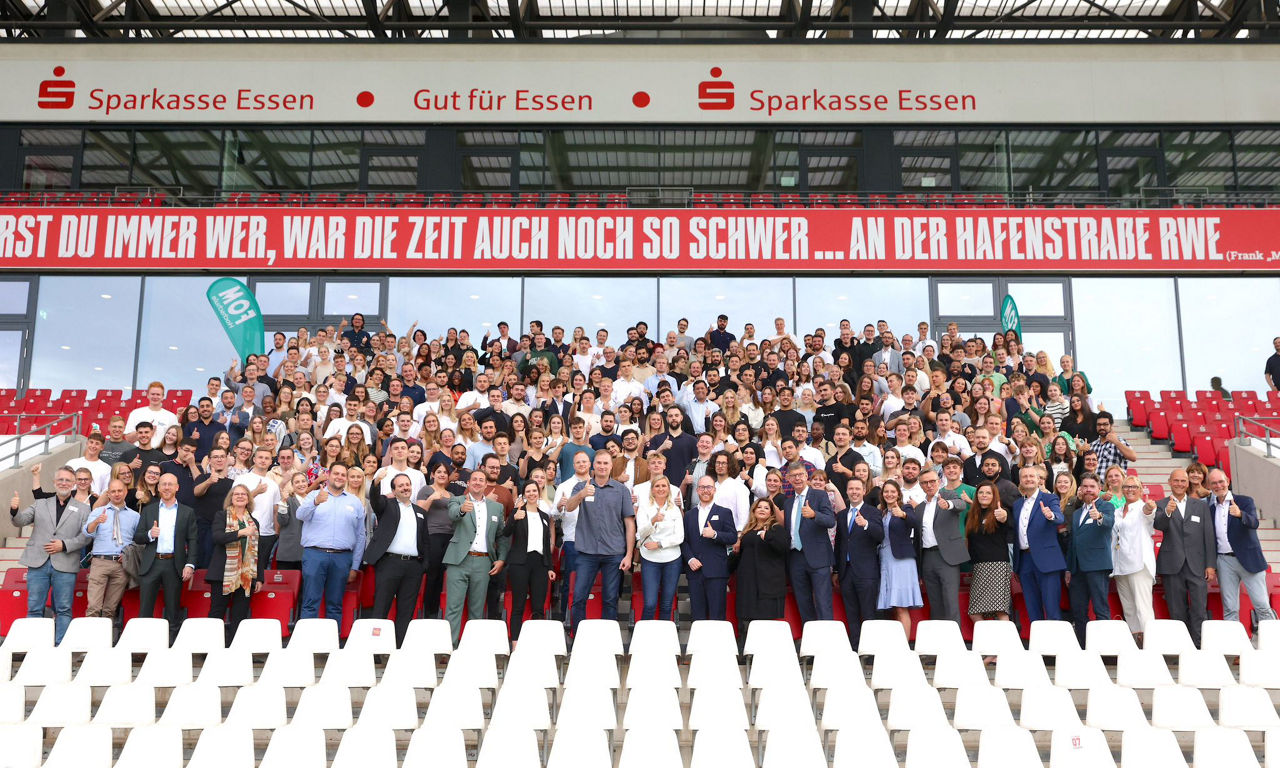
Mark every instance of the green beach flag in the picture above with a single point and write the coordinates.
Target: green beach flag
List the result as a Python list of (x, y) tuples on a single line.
[(237, 310), (1009, 319)]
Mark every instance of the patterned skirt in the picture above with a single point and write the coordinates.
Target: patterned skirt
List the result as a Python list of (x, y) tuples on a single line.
[(989, 590)]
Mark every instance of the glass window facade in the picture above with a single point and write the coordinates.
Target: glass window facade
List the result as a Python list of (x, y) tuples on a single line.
[(1227, 327), (1056, 164), (1125, 336), (183, 344), (86, 332)]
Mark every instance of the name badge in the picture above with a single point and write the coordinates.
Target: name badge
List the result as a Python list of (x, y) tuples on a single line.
[(715, 517), (1195, 518), (419, 514), (493, 518)]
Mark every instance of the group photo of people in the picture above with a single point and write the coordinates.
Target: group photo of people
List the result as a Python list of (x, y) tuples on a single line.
[(534, 471)]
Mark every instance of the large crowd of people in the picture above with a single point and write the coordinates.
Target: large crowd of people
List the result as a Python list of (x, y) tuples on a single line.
[(874, 468)]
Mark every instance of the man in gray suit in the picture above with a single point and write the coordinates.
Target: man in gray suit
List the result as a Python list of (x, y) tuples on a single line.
[(888, 355), (944, 547), (52, 554), (1187, 555), (475, 553), (167, 534)]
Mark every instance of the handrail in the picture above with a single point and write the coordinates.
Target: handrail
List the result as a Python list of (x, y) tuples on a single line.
[(1261, 422), (60, 425)]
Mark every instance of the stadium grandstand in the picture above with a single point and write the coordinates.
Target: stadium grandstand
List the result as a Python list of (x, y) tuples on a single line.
[(580, 384)]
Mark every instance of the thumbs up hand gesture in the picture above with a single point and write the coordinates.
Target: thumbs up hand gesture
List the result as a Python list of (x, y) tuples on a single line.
[(322, 496), (1234, 510), (708, 532), (965, 496), (1000, 514), (1048, 513), (807, 511), (155, 530)]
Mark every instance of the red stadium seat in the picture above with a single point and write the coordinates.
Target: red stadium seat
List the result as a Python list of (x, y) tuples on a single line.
[(13, 598), (703, 200), (500, 200), (382, 199), (762, 200), (557, 200), (1206, 451), (325, 198), (848, 201), (587, 200), (471, 200), (617, 200), (1243, 394), (790, 201), (880, 201), (1224, 458), (820, 201), (438, 200), (529, 200), (1159, 423), (355, 200), (1180, 434), (732, 200)]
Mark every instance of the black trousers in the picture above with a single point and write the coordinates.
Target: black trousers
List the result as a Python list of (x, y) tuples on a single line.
[(528, 581), (238, 601), (398, 579), (1186, 594), (166, 575), (860, 598), (438, 543)]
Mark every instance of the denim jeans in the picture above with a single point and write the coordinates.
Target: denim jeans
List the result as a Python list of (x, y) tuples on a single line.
[(660, 581), (324, 575), (610, 584), (39, 583), (568, 562)]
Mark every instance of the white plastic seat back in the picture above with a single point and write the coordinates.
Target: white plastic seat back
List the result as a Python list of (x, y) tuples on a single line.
[(81, 746)]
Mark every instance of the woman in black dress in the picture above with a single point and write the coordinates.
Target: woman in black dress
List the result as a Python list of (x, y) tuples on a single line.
[(760, 557)]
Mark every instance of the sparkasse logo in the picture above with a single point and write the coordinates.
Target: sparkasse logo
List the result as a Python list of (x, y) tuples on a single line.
[(715, 95), (57, 93)]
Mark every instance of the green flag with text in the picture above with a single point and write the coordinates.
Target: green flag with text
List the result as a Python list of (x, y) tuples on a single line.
[(1009, 318), (237, 310)]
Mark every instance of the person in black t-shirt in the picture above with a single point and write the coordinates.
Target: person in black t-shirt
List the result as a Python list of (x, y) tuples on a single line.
[(1272, 370), (677, 445), (211, 489), (829, 413)]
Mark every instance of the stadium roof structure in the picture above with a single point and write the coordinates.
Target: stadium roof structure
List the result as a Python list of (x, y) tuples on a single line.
[(644, 20)]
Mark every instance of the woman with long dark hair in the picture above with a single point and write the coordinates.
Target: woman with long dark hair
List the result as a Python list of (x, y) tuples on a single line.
[(529, 561), (989, 533), (760, 559)]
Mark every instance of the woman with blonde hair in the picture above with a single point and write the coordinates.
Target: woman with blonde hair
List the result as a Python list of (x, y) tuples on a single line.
[(447, 416), (659, 534), (771, 440), (234, 573), (760, 560)]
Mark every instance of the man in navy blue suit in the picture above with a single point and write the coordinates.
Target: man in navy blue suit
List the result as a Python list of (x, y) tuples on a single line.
[(1240, 558), (708, 531), (1089, 555), (859, 531), (808, 517), (1037, 558)]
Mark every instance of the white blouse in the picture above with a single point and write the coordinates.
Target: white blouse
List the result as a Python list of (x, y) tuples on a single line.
[(1132, 542), (668, 533)]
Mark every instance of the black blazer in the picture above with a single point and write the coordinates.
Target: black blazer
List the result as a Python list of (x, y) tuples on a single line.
[(222, 538), (387, 511), (904, 533), (763, 563), (518, 530), (858, 551), (184, 537)]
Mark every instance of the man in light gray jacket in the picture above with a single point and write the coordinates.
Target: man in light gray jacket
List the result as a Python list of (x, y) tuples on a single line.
[(52, 554)]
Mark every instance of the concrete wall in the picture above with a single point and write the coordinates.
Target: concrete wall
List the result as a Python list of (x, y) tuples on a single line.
[(20, 480), (1255, 475)]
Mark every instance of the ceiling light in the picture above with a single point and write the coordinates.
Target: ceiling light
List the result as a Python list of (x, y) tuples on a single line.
[(475, 296), (104, 295), (172, 348), (64, 346)]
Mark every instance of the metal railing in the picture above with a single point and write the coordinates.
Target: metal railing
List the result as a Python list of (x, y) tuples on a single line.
[(1264, 428), (42, 427)]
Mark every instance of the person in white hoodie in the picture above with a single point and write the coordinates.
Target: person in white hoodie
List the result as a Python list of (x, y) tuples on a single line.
[(659, 534), (1134, 559)]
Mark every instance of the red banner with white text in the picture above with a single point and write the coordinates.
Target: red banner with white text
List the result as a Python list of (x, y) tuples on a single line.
[(537, 240)]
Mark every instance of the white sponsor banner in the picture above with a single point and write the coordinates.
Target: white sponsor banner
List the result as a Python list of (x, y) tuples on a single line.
[(607, 83)]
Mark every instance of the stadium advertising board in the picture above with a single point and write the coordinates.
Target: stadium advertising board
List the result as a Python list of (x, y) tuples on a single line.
[(695, 84), (656, 240)]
